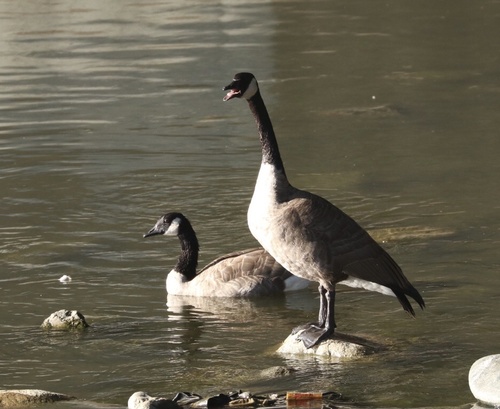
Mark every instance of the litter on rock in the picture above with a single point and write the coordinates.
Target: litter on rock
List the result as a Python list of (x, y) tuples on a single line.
[(244, 400)]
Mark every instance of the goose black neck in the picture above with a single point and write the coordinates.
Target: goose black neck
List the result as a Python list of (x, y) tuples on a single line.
[(188, 260), (270, 150)]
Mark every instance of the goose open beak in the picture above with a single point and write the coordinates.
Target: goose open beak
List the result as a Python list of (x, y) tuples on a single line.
[(233, 92)]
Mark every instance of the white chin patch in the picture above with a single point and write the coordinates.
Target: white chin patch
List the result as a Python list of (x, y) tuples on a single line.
[(173, 229), (251, 90)]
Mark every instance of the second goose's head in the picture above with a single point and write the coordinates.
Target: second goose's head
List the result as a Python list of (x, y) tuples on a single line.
[(167, 225), (244, 85)]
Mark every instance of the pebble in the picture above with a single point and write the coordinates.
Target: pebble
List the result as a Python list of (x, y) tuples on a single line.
[(484, 379)]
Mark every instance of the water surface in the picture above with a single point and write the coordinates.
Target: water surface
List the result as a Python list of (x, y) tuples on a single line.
[(111, 114)]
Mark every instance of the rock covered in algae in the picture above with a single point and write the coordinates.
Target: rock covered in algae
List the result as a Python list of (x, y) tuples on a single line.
[(277, 371), (65, 320), (337, 346), (16, 398)]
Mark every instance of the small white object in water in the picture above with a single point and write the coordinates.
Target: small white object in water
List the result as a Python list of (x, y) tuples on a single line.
[(65, 279)]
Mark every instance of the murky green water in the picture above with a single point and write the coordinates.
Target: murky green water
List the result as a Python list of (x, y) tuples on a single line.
[(111, 114)]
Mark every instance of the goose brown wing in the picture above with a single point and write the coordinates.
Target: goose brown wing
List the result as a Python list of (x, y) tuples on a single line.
[(250, 262), (383, 270), (232, 255), (345, 247)]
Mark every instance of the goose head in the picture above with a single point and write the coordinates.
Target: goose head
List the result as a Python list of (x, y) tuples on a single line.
[(244, 85), (167, 225)]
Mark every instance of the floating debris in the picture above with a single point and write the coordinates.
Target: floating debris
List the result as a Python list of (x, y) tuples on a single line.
[(243, 402), (186, 398), (65, 279), (303, 396), (238, 399), (306, 396)]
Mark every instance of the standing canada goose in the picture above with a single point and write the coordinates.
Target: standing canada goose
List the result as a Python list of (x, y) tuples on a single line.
[(308, 235), (247, 273)]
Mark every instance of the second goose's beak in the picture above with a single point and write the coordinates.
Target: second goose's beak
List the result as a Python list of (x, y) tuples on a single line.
[(154, 231)]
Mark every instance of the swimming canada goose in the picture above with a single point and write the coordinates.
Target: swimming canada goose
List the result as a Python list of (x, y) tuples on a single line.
[(247, 273), (308, 235)]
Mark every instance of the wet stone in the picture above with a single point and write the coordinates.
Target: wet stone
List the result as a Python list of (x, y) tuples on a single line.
[(16, 398), (337, 346), (65, 320), (484, 379), (277, 371), (141, 400)]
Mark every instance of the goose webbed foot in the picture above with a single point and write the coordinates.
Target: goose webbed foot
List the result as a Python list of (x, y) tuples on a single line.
[(312, 335), (304, 327)]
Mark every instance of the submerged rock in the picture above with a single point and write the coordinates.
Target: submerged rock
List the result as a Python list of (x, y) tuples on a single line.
[(141, 400), (65, 320), (484, 379), (277, 371), (15, 398), (338, 346)]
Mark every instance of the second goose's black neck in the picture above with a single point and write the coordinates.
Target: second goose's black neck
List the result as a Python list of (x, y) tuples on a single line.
[(270, 150), (188, 260)]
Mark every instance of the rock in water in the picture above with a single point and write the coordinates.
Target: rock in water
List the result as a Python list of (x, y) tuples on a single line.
[(141, 400), (484, 379), (337, 346), (65, 320), (16, 398)]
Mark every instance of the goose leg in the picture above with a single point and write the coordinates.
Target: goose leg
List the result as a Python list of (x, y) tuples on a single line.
[(323, 306), (321, 316), (313, 334)]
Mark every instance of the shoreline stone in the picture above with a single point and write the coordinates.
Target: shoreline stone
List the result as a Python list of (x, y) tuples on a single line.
[(339, 345), (15, 398), (484, 379), (141, 400)]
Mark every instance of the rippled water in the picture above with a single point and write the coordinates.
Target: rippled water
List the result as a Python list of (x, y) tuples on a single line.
[(111, 113)]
